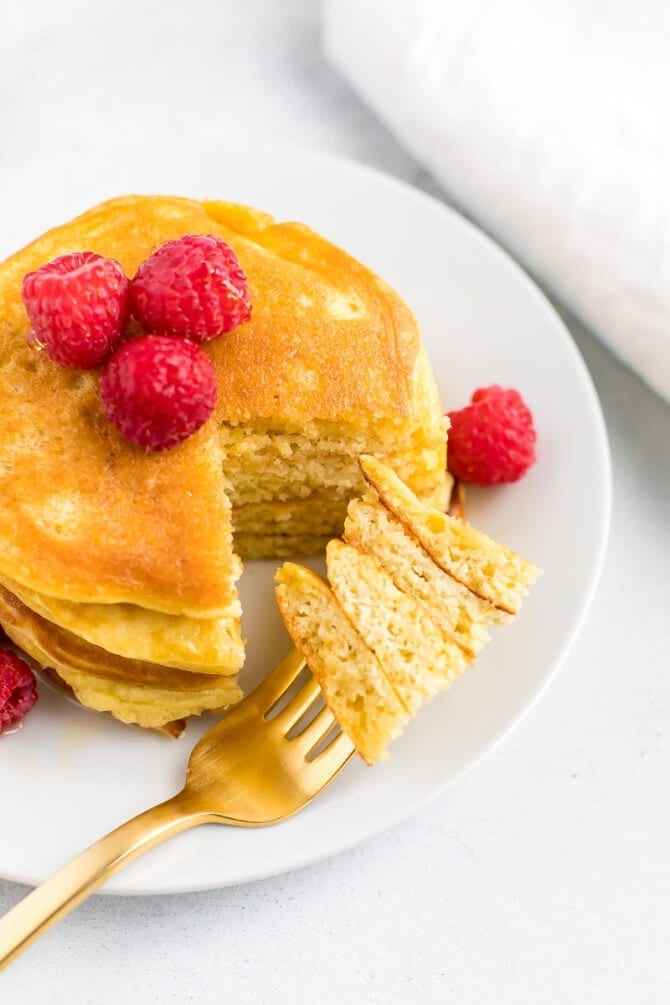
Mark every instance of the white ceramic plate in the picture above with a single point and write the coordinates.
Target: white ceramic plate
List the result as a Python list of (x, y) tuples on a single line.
[(70, 775)]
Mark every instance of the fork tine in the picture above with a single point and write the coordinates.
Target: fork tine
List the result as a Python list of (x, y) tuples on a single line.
[(326, 764), (279, 680), (313, 733), (296, 707)]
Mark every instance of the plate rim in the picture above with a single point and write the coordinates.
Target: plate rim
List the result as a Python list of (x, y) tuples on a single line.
[(408, 807)]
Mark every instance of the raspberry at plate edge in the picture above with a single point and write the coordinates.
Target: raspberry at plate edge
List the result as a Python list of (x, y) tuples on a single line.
[(491, 440)]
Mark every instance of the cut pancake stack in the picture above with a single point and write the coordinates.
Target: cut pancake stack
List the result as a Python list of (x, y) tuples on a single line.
[(118, 568), (143, 666), (330, 366), (410, 597), (117, 577)]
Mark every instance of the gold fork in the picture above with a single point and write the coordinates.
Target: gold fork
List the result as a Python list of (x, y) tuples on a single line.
[(252, 769)]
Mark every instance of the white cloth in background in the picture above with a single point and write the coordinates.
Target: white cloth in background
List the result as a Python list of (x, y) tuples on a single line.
[(548, 121)]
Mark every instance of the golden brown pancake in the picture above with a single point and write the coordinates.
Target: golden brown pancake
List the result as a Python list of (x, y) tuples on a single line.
[(351, 677), (488, 569), (203, 645), (173, 729), (88, 517), (132, 690), (329, 366)]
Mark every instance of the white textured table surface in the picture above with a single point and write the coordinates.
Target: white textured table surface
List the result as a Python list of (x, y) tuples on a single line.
[(544, 875)]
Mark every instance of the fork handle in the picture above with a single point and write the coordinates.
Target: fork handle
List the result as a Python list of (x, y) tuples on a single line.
[(63, 891)]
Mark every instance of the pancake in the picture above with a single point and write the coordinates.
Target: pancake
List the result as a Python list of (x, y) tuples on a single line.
[(173, 729), (418, 658), (133, 691), (280, 545), (350, 675), (132, 554), (371, 528), (406, 588), (488, 569), (89, 518), (198, 644)]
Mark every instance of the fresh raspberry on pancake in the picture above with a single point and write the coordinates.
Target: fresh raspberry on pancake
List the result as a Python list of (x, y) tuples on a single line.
[(77, 305), (193, 286), (158, 390)]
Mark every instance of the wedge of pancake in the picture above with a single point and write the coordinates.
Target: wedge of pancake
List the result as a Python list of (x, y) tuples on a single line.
[(487, 569), (132, 554), (418, 657), (373, 529), (418, 590), (351, 677)]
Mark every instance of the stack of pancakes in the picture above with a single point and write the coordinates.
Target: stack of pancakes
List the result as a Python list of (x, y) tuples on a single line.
[(118, 568), (147, 667), (410, 596)]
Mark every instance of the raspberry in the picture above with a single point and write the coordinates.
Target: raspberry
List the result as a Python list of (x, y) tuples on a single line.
[(194, 287), (492, 439), (157, 390), (77, 305), (18, 691)]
